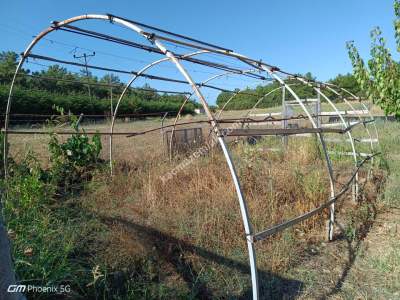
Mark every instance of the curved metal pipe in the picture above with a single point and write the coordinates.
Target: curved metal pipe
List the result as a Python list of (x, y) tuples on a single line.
[(28, 50), (233, 96), (242, 203), (327, 158), (187, 99), (364, 106), (318, 90), (128, 85), (170, 55), (355, 111), (266, 95)]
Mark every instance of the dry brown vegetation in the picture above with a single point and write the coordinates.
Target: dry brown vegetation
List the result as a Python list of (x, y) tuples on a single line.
[(185, 236), (190, 227)]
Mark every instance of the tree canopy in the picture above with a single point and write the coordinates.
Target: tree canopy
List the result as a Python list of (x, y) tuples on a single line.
[(380, 76), (38, 92), (247, 98)]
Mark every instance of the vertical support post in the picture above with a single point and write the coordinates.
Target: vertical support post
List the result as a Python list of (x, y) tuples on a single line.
[(111, 97), (111, 153), (79, 121), (355, 189), (284, 116), (318, 117), (318, 107), (331, 221), (321, 137), (162, 130)]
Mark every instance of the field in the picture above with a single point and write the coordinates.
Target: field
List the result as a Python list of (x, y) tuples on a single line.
[(136, 235)]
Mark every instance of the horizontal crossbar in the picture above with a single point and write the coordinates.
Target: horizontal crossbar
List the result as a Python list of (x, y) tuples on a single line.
[(277, 228), (283, 131), (279, 131), (303, 101), (345, 112), (356, 140), (350, 153), (65, 132)]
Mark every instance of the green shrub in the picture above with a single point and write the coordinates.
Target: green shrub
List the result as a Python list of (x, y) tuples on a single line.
[(73, 161), (50, 238), (41, 243)]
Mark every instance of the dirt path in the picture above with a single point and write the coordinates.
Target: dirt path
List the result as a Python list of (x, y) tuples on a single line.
[(365, 269)]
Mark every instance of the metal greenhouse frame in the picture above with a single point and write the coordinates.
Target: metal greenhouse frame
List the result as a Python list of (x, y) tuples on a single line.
[(157, 39)]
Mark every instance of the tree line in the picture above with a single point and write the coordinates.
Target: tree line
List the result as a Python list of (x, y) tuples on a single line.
[(247, 98), (40, 92)]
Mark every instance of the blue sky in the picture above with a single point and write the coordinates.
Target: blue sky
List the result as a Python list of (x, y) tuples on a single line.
[(298, 36)]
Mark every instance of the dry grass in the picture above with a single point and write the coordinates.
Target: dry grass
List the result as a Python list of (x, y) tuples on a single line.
[(188, 230), (197, 211)]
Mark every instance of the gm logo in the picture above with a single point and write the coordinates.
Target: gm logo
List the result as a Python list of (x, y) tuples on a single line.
[(13, 288)]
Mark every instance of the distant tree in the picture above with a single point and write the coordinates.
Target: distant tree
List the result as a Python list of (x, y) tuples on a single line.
[(349, 82), (147, 93), (8, 61), (309, 76), (8, 64), (380, 77), (56, 85), (247, 98), (110, 79)]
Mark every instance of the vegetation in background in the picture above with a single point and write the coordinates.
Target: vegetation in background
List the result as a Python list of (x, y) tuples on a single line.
[(380, 76), (73, 161), (51, 235), (116, 238), (37, 95), (245, 101), (365, 262)]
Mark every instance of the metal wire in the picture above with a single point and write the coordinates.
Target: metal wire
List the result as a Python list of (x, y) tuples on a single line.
[(102, 84)]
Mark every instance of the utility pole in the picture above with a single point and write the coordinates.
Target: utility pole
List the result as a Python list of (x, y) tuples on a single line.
[(85, 57), (111, 96)]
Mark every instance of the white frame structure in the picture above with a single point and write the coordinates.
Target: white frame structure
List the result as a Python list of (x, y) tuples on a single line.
[(157, 37)]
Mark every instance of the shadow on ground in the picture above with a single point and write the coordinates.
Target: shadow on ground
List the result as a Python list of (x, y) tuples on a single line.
[(353, 248), (272, 286), (352, 252)]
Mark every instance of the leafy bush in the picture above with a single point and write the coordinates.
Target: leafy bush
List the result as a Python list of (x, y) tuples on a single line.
[(74, 160), (380, 76), (78, 150), (48, 236)]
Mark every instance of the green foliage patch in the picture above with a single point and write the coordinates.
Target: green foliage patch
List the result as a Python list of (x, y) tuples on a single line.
[(380, 76)]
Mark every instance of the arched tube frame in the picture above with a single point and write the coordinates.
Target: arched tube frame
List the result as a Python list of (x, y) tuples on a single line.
[(170, 56)]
